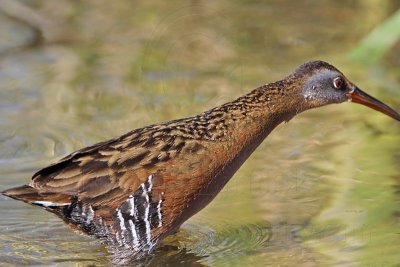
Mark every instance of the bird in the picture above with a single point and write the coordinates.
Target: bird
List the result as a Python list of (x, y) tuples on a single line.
[(134, 190)]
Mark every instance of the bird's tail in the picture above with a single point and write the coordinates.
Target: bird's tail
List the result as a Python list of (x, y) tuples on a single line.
[(31, 195)]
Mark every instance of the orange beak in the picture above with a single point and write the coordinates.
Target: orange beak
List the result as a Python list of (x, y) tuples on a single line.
[(360, 97)]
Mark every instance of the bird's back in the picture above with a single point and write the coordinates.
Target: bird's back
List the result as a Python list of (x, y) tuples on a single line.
[(137, 188)]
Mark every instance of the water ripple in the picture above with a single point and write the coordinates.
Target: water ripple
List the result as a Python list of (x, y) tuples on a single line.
[(228, 242)]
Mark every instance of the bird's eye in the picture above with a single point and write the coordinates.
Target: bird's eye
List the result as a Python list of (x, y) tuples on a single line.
[(338, 83)]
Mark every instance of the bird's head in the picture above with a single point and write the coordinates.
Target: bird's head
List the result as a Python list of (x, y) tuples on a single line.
[(323, 84)]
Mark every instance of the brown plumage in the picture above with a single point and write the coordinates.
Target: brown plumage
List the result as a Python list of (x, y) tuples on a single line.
[(134, 190)]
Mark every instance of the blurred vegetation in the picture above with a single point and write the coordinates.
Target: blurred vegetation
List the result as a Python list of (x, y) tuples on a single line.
[(376, 44)]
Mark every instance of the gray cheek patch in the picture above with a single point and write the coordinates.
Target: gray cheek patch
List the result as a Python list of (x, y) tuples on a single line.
[(319, 87)]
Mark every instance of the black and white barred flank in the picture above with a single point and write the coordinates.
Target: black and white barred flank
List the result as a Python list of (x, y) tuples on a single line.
[(132, 224)]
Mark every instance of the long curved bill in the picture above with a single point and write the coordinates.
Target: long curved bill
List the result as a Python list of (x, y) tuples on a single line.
[(360, 97)]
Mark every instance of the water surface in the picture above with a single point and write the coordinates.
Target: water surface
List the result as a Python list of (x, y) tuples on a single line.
[(322, 190)]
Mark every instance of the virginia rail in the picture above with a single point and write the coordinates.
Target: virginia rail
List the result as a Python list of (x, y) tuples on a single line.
[(134, 190)]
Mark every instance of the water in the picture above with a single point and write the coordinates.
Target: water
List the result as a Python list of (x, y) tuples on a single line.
[(322, 190)]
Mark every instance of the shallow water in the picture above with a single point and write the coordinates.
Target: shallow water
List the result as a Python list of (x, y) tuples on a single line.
[(322, 190)]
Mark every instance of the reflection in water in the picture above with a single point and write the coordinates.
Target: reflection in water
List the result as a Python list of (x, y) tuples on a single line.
[(207, 246), (321, 191), (229, 240), (167, 255)]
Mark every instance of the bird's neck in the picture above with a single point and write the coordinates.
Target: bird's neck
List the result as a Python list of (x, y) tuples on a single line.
[(232, 132), (247, 121), (250, 118)]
